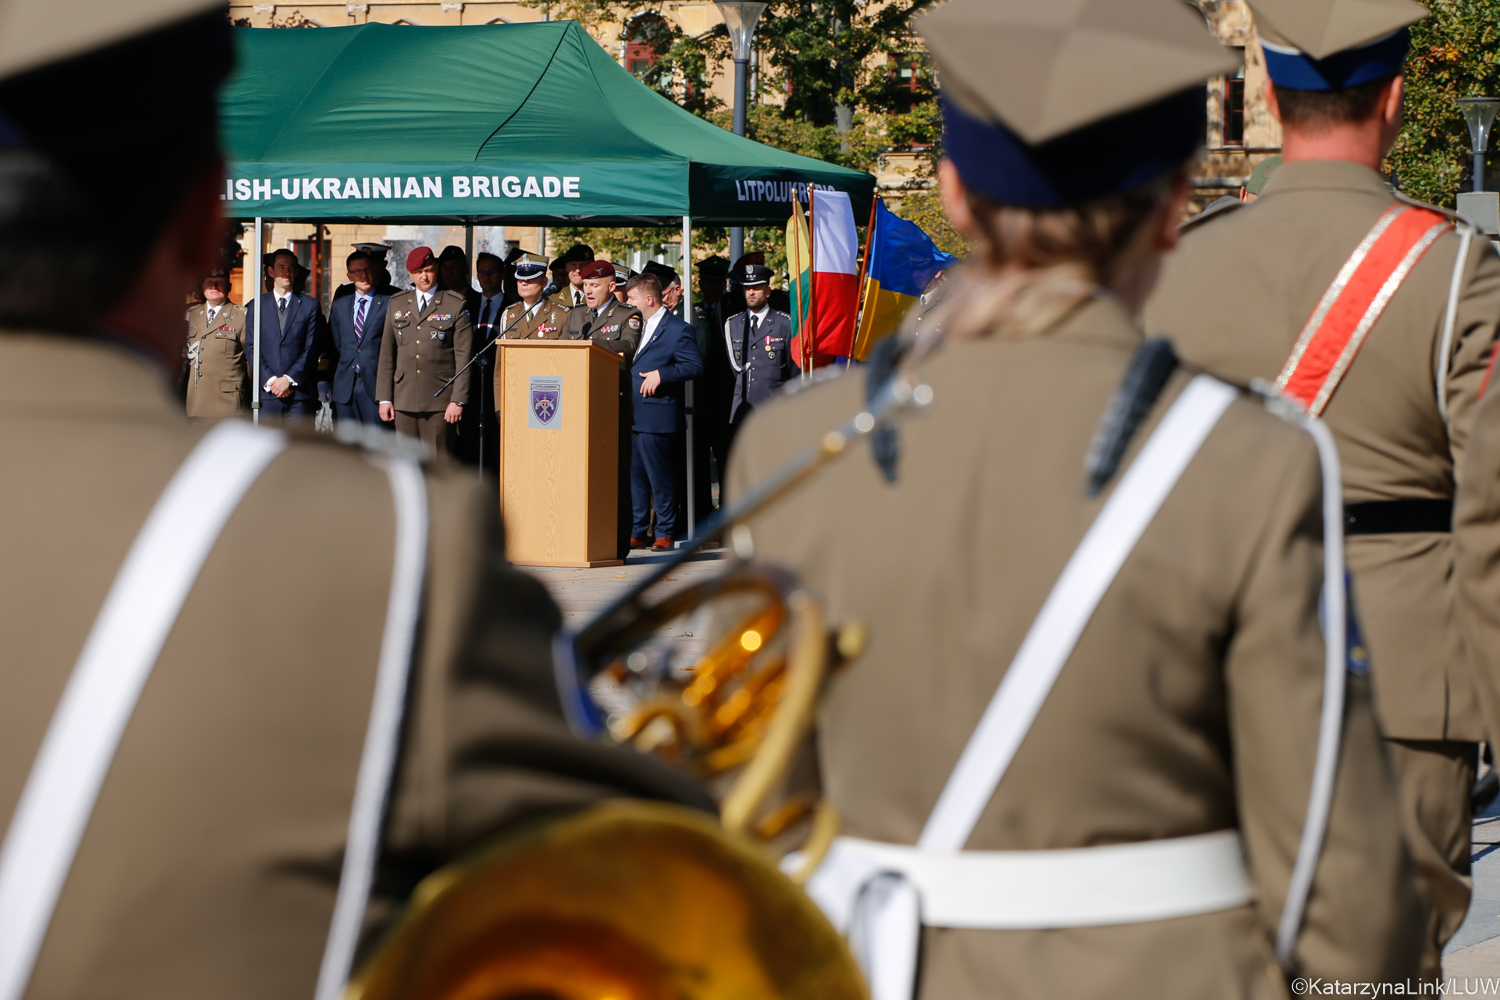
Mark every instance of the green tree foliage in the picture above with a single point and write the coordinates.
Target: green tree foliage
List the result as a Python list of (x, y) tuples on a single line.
[(820, 55), (1453, 55)]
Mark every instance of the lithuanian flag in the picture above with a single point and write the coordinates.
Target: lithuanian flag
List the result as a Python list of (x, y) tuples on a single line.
[(799, 266), (900, 261)]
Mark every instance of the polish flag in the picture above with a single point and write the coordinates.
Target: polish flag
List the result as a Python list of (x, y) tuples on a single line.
[(835, 291)]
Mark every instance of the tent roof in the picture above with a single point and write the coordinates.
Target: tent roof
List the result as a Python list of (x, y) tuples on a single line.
[(558, 132)]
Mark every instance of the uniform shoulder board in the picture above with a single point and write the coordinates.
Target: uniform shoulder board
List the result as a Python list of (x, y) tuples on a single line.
[(1440, 210), (1217, 208), (785, 316), (1127, 409)]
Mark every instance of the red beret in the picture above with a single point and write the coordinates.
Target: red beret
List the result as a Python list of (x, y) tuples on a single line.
[(754, 257), (418, 259), (597, 269)]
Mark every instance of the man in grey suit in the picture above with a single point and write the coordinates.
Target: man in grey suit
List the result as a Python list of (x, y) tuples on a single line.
[(357, 321)]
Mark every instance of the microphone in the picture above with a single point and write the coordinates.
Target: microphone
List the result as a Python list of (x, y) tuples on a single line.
[(550, 290)]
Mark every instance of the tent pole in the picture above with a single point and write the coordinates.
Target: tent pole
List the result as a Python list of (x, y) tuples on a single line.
[(687, 316), (484, 366), (260, 250)]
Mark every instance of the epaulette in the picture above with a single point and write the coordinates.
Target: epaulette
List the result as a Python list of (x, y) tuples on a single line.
[(1440, 210), (1219, 207), (885, 442), (1127, 409), (785, 316)]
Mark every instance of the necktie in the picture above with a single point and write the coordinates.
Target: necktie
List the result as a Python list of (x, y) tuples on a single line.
[(212, 313), (484, 315), (281, 307), (750, 340), (359, 321)]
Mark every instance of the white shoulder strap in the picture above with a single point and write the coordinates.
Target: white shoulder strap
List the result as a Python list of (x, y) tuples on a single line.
[(1055, 632), (378, 761), (117, 659), (1450, 316)]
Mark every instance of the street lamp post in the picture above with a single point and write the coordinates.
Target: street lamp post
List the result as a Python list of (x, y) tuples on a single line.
[(1479, 113), (740, 17)]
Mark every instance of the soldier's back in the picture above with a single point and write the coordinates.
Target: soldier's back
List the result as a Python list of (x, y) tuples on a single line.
[(1234, 300), (1189, 704), (211, 862)]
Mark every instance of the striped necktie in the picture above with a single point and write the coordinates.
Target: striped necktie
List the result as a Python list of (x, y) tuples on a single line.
[(359, 320)]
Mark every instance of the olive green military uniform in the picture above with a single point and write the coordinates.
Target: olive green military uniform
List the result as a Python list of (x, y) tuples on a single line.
[(210, 865), (617, 327), (1234, 299), (1190, 704), (567, 297), (419, 352), (218, 381)]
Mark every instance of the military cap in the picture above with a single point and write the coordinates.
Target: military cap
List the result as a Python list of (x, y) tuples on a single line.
[(578, 252), (667, 276), (1262, 173), (713, 267), (1032, 92), (451, 252), (419, 258), (597, 269), (753, 274), (516, 253), (529, 266), (623, 273), (753, 257), (1333, 44), (373, 249)]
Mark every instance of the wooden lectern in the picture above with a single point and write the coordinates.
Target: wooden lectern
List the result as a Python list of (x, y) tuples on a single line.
[(559, 415)]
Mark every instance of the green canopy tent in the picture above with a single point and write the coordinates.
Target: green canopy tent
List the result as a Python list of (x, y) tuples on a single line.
[(525, 124)]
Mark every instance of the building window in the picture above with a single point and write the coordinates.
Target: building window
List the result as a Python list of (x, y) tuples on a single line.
[(1234, 107), (909, 72), (639, 56)]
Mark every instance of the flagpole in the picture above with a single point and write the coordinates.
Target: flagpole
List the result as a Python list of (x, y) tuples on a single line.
[(859, 284), (812, 280)]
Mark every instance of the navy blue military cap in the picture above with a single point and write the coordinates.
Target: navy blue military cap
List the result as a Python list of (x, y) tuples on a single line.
[(529, 266), (1333, 44), (753, 274), (1058, 103)]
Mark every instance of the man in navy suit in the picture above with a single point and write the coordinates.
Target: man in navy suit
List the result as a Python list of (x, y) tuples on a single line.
[(358, 321), (292, 325), (665, 358)]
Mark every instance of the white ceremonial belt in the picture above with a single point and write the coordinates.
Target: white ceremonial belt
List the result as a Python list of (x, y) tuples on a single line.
[(1009, 890)]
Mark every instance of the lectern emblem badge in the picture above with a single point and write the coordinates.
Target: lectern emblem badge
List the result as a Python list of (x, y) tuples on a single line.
[(544, 404)]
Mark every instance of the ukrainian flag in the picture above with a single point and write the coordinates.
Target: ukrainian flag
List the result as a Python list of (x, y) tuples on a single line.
[(900, 261)]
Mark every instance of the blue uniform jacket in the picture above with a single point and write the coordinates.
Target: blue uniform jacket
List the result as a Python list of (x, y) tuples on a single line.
[(287, 350), (672, 350), (364, 352)]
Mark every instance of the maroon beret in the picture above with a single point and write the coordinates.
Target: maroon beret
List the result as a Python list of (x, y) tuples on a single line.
[(754, 257), (418, 259), (597, 269)]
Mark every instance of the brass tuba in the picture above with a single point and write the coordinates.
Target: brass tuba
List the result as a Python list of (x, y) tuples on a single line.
[(631, 900)]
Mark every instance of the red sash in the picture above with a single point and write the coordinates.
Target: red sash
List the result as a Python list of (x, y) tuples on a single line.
[(1355, 300)]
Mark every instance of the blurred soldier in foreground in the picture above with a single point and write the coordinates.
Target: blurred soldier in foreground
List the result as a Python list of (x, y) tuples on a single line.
[(218, 381), (1378, 314), (181, 823), (1086, 745)]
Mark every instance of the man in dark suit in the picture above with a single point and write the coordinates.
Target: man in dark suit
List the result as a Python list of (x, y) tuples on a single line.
[(292, 325), (665, 358), (357, 322), (757, 343)]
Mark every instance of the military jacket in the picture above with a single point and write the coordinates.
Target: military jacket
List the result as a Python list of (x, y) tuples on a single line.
[(210, 864), (218, 378), (564, 297), (1190, 703), (547, 322), (617, 327), (418, 353), (760, 368), (1234, 299)]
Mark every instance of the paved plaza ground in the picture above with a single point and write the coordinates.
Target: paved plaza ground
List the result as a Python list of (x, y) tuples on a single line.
[(1473, 952)]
